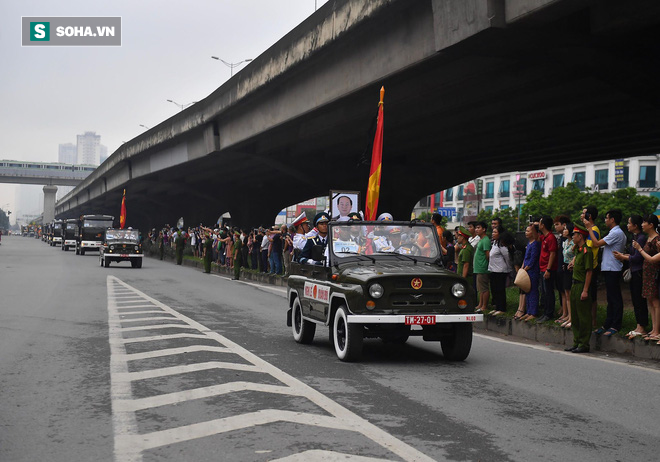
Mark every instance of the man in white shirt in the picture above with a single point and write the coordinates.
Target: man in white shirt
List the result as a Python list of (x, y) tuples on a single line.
[(611, 268)]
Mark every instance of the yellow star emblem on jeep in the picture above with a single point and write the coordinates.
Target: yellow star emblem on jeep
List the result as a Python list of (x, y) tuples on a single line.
[(416, 283)]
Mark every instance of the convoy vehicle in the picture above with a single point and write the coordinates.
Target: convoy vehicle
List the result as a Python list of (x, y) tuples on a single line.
[(69, 233), (121, 245), (90, 232), (56, 233), (381, 280), (47, 233)]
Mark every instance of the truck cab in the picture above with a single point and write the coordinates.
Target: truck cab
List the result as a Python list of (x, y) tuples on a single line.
[(56, 227), (69, 233), (90, 232)]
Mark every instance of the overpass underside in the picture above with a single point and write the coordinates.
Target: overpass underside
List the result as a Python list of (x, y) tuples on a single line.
[(570, 82)]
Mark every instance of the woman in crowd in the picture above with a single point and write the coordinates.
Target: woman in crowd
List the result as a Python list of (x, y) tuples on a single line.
[(650, 269), (448, 251), (636, 263), (568, 253), (500, 266), (531, 265)]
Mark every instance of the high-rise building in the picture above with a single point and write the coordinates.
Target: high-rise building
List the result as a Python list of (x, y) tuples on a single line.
[(89, 148), (67, 153), (103, 153)]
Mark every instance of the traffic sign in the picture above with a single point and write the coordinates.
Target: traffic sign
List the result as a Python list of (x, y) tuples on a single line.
[(446, 211)]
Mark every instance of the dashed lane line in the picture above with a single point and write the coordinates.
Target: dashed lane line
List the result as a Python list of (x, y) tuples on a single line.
[(130, 444), (173, 351)]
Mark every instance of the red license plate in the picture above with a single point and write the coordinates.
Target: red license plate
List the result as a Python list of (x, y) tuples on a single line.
[(420, 320), (124, 255)]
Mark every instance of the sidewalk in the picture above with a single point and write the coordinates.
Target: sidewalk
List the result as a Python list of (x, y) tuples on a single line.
[(541, 333)]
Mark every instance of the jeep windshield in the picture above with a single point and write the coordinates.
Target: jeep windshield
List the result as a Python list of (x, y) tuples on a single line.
[(378, 239), (97, 223), (123, 235)]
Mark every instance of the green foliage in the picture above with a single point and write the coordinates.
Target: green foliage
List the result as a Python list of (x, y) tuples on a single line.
[(509, 218), (426, 217), (570, 201)]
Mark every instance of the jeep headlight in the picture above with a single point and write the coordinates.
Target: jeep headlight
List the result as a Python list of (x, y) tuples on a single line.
[(376, 290), (458, 290), (136, 248), (112, 247)]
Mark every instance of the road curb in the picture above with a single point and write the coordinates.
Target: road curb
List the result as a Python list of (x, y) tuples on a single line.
[(547, 333)]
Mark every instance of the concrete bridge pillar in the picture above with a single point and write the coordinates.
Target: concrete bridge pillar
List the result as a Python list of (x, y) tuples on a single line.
[(49, 203)]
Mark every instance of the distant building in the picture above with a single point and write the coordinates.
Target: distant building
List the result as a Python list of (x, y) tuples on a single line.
[(67, 153), (89, 148), (510, 189), (103, 153)]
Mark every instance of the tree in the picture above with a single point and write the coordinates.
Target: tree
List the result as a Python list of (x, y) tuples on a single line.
[(570, 201), (509, 218), (426, 217)]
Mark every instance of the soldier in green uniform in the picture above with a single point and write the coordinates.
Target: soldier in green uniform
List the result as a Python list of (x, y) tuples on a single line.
[(580, 296), (180, 244), (466, 255), (208, 251), (238, 260)]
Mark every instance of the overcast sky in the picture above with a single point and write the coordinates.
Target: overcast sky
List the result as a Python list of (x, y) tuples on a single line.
[(48, 95)]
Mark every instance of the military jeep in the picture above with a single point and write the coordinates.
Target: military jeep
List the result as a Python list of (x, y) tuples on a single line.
[(121, 245), (381, 280)]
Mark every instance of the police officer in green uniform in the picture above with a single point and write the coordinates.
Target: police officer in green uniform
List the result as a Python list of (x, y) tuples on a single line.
[(208, 251), (580, 296), (238, 260), (179, 243)]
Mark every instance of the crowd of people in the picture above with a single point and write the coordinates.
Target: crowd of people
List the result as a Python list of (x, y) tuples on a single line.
[(559, 260), (567, 260), (260, 249)]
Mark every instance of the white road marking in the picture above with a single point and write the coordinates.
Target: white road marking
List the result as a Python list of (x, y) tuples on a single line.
[(165, 371), (129, 443), (173, 351), (161, 337), (326, 456), (161, 326), (153, 318)]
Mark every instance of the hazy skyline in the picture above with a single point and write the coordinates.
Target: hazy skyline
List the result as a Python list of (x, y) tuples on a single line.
[(52, 94)]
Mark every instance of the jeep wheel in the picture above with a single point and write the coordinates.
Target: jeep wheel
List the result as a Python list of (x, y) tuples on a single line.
[(348, 337), (303, 331), (138, 263), (457, 346), (106, 262), (77, 251), (82, 251)]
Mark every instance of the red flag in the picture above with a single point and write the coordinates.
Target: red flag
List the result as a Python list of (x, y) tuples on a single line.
[(373, 190), (122, 217)]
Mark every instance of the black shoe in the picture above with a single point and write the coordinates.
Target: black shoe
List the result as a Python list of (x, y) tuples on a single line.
[(581, 350), (543, 318), (571, 349)]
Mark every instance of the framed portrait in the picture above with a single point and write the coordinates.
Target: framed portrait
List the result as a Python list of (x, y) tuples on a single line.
[(342, 203)]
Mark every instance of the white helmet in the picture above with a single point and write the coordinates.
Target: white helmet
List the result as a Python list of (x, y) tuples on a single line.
[(385, 217)]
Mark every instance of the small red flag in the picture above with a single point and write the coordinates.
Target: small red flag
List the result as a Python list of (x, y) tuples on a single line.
[(373, 190), (122, 217)]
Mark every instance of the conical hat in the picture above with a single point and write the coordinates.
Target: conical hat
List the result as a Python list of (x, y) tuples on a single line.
[(522, 281)]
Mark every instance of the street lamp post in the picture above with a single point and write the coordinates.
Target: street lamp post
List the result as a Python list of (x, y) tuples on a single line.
[(181, 106), (231, 65)]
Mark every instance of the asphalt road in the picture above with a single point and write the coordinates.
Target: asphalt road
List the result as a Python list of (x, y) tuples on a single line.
[(165, 363)]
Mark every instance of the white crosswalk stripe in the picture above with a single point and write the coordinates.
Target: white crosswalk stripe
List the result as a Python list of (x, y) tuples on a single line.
[(130, 443)]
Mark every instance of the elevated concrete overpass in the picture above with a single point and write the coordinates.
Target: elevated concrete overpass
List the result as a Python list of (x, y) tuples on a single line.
[(472, 87)]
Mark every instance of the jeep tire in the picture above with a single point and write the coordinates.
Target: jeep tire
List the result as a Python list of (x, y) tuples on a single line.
[(456, 347), (348, 338), (303, 330)]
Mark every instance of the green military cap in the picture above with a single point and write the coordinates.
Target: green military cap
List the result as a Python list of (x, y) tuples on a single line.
[(463, 230)]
